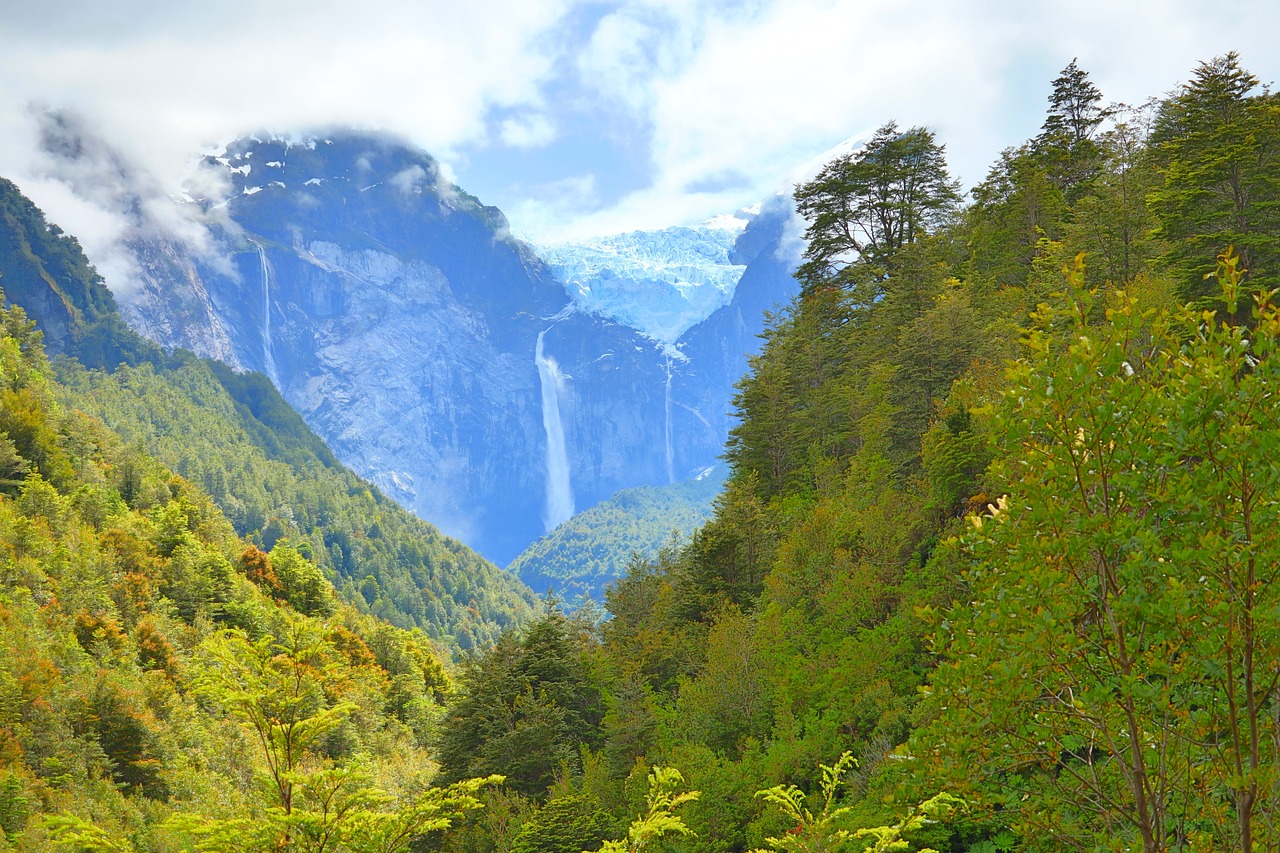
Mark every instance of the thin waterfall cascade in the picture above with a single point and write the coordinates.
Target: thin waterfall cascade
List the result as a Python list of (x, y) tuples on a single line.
[(670, 448), (559, 488), (268, 348)]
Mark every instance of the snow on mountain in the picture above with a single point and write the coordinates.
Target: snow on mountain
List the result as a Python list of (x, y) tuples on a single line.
[(661, 283)]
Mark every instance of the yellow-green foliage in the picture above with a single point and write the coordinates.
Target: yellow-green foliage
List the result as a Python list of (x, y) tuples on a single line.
[(153, 695)]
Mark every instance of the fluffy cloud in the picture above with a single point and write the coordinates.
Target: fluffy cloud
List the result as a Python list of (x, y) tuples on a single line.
[(723, 98), (528, 131)]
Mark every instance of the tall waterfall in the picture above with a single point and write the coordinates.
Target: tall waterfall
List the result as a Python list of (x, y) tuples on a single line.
[(268, 349), (559, 489), (671, 472)]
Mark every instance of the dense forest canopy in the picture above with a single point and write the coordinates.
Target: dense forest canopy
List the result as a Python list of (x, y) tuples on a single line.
[(997, 525), (992, 570)]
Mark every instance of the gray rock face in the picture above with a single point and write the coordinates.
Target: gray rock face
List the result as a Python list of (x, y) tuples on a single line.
[(395, 312), (171, 304)]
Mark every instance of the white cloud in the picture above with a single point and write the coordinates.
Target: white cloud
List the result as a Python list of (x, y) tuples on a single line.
[(528, 131), (728, 96), (759, 93), (409, 181), (545, 210), (163, 81)]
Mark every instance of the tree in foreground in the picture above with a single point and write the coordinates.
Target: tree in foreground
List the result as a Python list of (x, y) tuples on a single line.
[(1111, 679), (828, 830), (660, 819)]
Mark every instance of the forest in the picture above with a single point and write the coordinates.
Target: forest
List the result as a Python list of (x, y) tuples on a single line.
[(992, 569)]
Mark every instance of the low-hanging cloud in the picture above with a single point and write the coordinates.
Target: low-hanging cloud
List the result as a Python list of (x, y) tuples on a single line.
[(163, 82), (93, 191)]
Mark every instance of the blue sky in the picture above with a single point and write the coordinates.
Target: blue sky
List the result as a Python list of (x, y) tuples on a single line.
[(585, 118)]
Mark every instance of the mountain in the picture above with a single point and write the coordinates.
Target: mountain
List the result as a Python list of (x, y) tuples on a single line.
[(233, 436), (434, 353), (716, 351), (595, 547)]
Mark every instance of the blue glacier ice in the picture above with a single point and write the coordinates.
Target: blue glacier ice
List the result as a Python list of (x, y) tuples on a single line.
[(660, 283)]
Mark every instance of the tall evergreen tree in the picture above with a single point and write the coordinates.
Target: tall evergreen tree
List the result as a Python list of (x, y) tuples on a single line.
[(865, 206), (1217, 143), (527, 707), (1066, 143)]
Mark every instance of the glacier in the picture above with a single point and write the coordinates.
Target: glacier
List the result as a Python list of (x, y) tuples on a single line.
[(660, 283)]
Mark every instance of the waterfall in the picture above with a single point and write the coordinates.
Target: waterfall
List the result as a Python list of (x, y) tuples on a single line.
[(268, 349), (671, 475), (559, 489)]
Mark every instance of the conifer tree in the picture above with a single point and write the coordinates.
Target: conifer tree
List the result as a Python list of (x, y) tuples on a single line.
[(1217, 143), (1066, 143)]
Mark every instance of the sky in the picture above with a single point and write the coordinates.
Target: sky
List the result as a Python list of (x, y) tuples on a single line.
[(581, 118)]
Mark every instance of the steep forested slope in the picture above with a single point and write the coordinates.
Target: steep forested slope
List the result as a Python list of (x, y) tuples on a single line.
[(164, 684), (1076, 520), (234, 436)]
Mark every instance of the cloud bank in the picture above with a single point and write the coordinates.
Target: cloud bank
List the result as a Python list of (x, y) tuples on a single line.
[(577, 117)]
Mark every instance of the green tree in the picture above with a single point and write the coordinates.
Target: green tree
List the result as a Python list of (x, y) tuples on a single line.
[(525, 708), (1112, 224), (1111, 675), (867, 205), (566, 824), (660, 819), (1217, 143), (1066, 142), (275, 688)]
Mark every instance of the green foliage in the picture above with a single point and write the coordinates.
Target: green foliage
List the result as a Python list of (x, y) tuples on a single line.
[(525, 707), (812, 832), (591, 550), (936, 809), (1119, 646), (133, 718), (829, 831), (871, 203), (278, 490), (565, 824), (661, 818), (1217, 143), (81, 836), (15, 806), (1066, 144)]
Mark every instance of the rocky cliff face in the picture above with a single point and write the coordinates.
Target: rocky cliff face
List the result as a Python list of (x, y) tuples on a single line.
[(434, 353)]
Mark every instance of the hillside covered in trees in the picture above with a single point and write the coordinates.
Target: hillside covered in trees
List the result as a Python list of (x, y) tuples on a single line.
[(235, 437), (1000, 523), (993, 569)]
